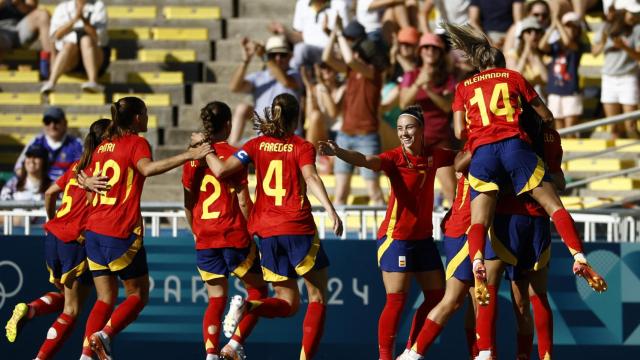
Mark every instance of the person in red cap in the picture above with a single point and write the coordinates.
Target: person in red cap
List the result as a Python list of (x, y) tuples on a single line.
[(431, 86), (403, 49)]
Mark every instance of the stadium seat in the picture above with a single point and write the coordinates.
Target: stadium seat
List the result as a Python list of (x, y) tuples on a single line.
[(166, 55), (79, 78), (156, 78), (76, 99), (191, 12), (599, 164), (134, 33), (11, 76), (628, 149), (49, 7), (149, 99), (21, 119), (21, 55), (615, 184), (590, 60), (572, 202), (185, 34), (585, 145), (131, 12), (20, 98)]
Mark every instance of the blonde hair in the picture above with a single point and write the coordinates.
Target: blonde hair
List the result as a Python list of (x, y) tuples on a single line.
[(476, 45)]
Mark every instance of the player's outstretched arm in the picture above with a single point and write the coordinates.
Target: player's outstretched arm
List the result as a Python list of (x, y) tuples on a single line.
[(317, 188), (150, 168), (330, 148)]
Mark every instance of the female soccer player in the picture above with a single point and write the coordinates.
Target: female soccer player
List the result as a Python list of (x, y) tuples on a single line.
[(281, 218), (216, 211), (64, 252), (405, 243), (114, 227), (491, 103)]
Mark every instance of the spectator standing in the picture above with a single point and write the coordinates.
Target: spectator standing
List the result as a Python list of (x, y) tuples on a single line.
[(542, 12), (20, 22), (528, 59), (277, 78), (451, 11), (431, 86), (381, 18), (79, 28), (563, 88), (620, 41), (362, 63), (494, 17), (31, 183), (62, 149)]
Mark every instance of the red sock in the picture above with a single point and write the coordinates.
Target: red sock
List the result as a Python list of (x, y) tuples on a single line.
[(56, 336), (270, 308), (124, 315), (97, 320), (543, 319), (486, 324), (476, 238), (249, 320), (211, 324), (567, 230), (472, 343), (525, 343), (388, 324), (312, 329), (49, 303), (431, 299), (427, 336)]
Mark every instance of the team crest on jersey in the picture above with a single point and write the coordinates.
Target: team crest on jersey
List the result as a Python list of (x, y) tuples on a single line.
[(402, 261)]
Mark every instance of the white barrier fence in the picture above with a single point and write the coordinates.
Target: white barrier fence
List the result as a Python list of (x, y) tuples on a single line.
[(359, 221)]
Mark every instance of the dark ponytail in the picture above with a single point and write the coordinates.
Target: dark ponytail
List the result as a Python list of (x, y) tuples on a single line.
[(91, 142), (123, 114), (281, 119), (215, 115)]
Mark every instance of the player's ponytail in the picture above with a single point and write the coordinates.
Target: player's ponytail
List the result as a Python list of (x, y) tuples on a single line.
[(281, 119), (123, 114), (215, 115), (91, 141), (476, 45)]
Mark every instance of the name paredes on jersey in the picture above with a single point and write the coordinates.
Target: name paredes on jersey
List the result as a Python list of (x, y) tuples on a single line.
[(488, 76), (275, 147), (108, 147)]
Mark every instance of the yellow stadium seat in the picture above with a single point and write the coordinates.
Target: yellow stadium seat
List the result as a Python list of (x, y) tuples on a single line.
[(21, 120), (131, 12), (191, 12), (592, 20), (160, 78), (597, 165), (615, 184), (84, 120), (13, 138), (21, 55), (592, 202), (135, 33), (589, 82), (76, 99), (10, 76), (20, 99), (590, 60), (114, 54), (149, 99), (188, 34), (628, 149), (572, 202), (585, 145), (168, 55), (49, 7), (79, 78)]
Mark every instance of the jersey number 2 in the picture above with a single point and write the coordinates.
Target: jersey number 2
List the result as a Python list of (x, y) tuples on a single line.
[(206, 214), (500, 90)]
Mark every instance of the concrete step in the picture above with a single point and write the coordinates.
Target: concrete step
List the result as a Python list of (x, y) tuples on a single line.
[(128, 49), (228, 50), (254, 28), (226, 6), (221, 72), (204, 93), (272, 9), (609, 193), (164, 193), (178, 137), (166, 151), (216, 27), (193, 71)]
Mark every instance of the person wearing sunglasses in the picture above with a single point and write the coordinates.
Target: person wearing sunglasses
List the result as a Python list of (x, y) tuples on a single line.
[(527, 58), (62, 149)]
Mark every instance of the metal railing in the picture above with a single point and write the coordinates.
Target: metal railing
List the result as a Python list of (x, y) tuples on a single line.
[(599, 122)]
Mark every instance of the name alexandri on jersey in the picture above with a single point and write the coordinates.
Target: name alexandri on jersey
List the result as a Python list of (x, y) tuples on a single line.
[(481, 77)]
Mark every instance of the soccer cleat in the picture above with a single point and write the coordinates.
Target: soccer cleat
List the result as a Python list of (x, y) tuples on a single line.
[(14, 324), (228, 353), (585, 271), (100, 345), (484, 355), (410, 355), (237, 309)]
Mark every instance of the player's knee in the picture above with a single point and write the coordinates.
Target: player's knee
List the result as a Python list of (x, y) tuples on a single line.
[(71, 310)]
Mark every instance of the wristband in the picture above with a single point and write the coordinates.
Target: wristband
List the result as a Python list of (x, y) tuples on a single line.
[(579, 257)]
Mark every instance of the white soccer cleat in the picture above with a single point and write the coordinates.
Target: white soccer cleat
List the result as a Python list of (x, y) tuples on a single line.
[(410, 355), (237, 308), (484, 355)]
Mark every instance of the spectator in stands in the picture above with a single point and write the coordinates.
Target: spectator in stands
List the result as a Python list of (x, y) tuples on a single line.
[(452, 11), (528, 59), (563, 89), (79, 28), (620, 41), (542, 12), (30, 184), (62, 149), (312, 23), (432, 86), (363, 65), (263, 85), (20, 22), (381, 18), (494, 17)]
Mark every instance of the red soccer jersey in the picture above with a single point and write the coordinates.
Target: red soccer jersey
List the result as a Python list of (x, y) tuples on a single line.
[(492, 101), (281, 206), (457, 221), (525, 205), (410, 211), (217, 219), (70, 219), (116, 213)]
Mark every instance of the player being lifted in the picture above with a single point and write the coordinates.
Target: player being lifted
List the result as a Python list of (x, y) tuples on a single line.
[(216, 211), (281, 218), (487, 108), (114, 228), (405, 238)]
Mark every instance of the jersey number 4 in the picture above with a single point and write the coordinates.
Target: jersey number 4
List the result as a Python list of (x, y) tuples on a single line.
[(274, 171), (500, 91)]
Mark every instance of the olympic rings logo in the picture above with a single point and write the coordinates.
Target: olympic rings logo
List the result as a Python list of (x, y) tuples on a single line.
[(4, 294)]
